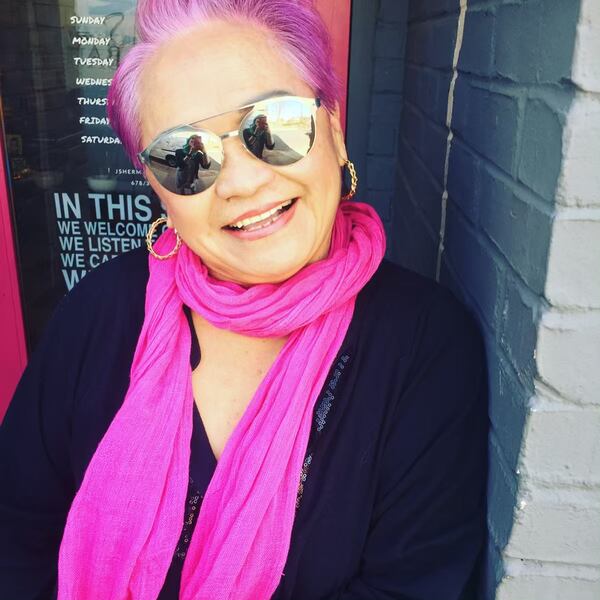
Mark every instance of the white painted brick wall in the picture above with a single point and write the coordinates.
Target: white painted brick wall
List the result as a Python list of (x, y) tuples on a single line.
[(586, 62), (525, 579), (554, 458), (579, 184), (556, 526), (554, 549), (575, 255), (520, 233), (568, 353)]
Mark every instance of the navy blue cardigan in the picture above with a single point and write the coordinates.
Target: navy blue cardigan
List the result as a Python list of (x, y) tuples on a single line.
[(392, 499)]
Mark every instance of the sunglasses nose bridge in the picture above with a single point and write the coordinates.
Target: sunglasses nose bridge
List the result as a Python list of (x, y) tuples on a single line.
[(229, 134), (241, 173), (232, 146)]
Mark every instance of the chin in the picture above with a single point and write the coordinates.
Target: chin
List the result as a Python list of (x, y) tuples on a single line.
[(272, 259), (275, 271), (272, 268)]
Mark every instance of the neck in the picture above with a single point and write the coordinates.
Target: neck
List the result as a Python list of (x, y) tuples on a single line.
[(229, 346)]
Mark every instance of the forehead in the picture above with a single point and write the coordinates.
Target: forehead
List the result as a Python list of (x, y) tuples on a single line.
[(214, 68)]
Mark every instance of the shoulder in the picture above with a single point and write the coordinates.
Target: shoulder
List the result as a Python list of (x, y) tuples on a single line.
[(94, 331), (409, 290), (120, 279), (398, 285), (108, 297), (77, 376), (432, 347), (420, 314), (119, 276)]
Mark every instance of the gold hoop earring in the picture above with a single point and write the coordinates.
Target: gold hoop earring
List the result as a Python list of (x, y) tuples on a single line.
[(149, 244), (353, 180)]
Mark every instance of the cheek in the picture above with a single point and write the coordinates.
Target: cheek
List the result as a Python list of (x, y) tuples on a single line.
[(325, 171), (191, 218), (329, 178), (327, 157)]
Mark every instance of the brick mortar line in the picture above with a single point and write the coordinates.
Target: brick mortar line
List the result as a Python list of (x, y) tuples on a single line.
[(500, 259), (418, 209), (570, 311), (548, 399), (528, 387), (578, 493), (532, 198), (431, 18), (544, 389), (500, 84), (423, 114), (524, 567), (570, 320), (547, 92), (589, 213), (417, 157), (516, 186), (427, 68)]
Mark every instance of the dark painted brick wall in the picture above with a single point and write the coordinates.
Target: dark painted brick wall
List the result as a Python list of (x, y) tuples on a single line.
[(511, 97)]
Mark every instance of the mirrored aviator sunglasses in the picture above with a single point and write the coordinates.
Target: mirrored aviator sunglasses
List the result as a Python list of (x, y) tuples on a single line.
[(187, 159)]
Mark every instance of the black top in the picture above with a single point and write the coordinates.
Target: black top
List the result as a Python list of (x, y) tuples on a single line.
[(391, 497)]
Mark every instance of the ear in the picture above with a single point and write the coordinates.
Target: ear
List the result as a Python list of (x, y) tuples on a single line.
[(337, 135)]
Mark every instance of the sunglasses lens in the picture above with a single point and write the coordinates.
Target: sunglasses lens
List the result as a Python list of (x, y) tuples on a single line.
[(187, 160), (280, 132)]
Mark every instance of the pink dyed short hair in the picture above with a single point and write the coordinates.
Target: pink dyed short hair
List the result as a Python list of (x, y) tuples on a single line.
[(296, 24)]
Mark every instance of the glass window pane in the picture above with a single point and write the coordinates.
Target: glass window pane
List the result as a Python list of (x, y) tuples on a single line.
[(76, 200)]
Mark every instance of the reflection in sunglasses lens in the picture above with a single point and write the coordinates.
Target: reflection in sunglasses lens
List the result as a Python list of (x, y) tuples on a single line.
[(186, 161), (280, 132)]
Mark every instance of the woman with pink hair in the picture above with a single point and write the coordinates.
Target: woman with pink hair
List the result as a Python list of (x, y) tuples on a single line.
[(262, 407)]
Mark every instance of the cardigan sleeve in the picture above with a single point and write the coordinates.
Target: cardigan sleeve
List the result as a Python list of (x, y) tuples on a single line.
[(428, 523), (51, 427), (36, 487)]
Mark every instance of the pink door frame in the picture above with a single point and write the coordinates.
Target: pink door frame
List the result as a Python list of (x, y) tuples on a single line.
[(13, 353), (336, 15)]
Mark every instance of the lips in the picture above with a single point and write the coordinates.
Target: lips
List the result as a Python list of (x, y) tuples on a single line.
[(253, 217), (266, 227)]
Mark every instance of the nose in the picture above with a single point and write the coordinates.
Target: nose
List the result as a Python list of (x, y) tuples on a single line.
[(241, 173)]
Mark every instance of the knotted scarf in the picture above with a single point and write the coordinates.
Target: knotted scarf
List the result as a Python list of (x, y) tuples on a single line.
[(126, 518)]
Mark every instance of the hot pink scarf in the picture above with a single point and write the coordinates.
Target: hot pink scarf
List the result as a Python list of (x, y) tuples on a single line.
[(127, 516)]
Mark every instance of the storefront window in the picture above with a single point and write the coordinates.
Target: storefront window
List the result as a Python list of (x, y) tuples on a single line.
[(76, 200)]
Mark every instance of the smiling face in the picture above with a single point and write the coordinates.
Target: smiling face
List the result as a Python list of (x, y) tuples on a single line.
[(195, 142), (220, 67)]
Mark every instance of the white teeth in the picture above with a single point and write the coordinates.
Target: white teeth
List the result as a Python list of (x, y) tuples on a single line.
[(261, 217)]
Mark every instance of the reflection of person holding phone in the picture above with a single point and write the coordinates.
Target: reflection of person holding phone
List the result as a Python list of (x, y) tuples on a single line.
[(258, 136), (188, 160)]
